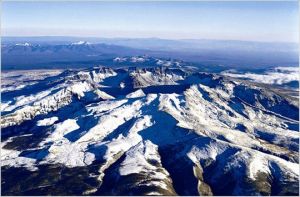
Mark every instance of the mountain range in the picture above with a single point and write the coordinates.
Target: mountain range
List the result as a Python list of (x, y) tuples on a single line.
[(75, 52), (166, 129)]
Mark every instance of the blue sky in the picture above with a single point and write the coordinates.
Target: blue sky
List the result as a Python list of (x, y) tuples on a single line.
[(259, 21)]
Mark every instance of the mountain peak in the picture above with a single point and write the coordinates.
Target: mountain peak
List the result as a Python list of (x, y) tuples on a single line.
[(81, 43), (23, 44)]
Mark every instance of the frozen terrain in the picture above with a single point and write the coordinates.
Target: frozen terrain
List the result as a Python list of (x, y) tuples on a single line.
[(283, 76), (167, 130), (18, 79)]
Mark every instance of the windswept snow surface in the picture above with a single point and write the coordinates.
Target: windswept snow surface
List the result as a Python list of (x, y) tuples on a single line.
[(165, 131)]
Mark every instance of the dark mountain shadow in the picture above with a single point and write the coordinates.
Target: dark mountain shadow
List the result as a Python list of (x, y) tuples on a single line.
[(286, 186), (293, 126), (49, 179), (293, 144), (38, 154)]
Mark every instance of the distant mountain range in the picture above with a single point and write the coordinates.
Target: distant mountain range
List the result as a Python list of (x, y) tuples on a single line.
[(53, 52), (30, 55)]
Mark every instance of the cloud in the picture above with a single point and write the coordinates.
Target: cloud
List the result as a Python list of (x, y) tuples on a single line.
[(278, 75)]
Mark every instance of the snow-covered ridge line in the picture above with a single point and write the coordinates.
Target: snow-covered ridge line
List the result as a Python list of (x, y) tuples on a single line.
[(143, 130)]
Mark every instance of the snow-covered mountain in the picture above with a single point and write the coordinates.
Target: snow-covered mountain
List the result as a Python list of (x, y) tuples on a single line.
[(81, 43), (148, 131)]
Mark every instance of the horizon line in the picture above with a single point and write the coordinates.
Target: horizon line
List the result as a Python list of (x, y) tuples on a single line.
[(139, 38)]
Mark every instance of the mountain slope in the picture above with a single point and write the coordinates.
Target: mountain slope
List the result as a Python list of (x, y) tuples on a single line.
[(149, 131)]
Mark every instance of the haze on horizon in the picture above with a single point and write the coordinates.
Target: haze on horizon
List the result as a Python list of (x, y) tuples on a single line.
[(249, 21)]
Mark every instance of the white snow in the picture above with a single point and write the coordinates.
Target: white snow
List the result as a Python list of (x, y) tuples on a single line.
[(62, 129), (164, 63), (25, 100), (148, 78), (81, 43), (109, 122), (258, 164), (138, 93), (122, 85), (279, 75), (47, 121), (5, 105), (136, 158), (103, 95), (23, 44), (209, 152), (99, 76), (137, 161), (140, 124), (69, 154), (12, 158), (80, 88), (105, 106), (18, 79), (65, 152), (137, 59), (159, 62), (120, 59)]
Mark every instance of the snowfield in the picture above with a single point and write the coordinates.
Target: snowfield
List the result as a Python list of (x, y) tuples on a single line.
[(150, 131)]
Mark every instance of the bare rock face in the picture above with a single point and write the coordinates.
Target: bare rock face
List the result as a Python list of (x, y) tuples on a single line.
[(164, 131)]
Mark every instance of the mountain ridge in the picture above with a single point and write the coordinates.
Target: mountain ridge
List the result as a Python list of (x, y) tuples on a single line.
[(164, 131)]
